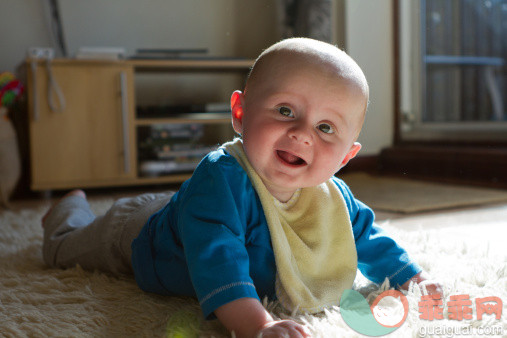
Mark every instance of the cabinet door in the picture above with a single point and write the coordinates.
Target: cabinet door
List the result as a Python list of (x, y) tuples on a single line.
[(91, 141)]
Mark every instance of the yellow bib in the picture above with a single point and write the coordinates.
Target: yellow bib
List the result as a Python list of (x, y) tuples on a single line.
[(312, 240)]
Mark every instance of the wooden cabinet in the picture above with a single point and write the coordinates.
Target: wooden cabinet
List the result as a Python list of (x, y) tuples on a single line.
[(92, 141), (89, 141)]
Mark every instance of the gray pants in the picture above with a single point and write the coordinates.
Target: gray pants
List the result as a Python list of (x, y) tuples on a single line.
[(74, 235)]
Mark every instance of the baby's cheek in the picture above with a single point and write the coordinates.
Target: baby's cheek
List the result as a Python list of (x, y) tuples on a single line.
[(332, 158)]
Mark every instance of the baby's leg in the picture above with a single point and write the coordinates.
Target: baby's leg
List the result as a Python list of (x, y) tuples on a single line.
[(66, 237), (73, 235)]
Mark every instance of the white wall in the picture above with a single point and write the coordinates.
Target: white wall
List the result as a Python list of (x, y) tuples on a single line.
[(225, 27), (369, 40), (22, 24)]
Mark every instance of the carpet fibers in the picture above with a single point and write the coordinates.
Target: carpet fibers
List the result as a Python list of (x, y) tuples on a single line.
[(464, 249)]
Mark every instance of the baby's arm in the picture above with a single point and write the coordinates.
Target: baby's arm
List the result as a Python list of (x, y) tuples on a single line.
[(379, 256), (248, 318), (216, 255)]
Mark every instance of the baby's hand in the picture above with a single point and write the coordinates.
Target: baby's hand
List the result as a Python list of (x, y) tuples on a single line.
[(432, 286), (283, 328)]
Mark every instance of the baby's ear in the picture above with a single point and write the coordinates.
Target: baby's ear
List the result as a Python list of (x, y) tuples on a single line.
[(351, 154), (237, 100)]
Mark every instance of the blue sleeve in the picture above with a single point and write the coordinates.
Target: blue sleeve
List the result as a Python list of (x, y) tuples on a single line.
[(212, 230), (378, 255)]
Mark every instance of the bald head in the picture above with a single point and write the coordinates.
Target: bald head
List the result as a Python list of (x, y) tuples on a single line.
[(307, 52)]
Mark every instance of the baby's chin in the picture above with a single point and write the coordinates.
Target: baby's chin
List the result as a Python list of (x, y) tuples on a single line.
[(291, 183)]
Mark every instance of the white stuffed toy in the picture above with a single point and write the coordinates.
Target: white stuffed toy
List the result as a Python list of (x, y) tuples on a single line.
[(10, 163)]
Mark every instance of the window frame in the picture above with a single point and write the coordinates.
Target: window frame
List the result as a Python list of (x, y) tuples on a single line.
[(410, 67)]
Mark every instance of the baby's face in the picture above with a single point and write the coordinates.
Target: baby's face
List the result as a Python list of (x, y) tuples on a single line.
[(299, 125)]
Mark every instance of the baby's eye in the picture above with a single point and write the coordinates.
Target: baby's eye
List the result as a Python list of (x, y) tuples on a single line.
[(325, 128), (286, 111)]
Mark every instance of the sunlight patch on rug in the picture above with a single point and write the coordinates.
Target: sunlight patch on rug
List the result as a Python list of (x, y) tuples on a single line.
[(409, 196)]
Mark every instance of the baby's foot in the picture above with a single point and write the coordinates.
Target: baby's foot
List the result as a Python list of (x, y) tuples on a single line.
[(77, 192)]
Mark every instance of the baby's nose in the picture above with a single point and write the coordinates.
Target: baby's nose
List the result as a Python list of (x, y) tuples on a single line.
[(301, 133)]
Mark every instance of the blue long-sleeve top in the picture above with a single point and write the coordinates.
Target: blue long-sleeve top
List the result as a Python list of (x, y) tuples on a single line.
[(212, 241)]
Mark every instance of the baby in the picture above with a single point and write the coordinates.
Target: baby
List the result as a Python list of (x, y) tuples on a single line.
[(263, 216)]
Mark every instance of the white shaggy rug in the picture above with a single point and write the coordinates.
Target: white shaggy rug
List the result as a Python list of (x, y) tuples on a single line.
[(464, 249)]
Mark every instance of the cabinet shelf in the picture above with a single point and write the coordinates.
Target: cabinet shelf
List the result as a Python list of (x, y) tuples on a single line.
[(191, 65), (186, 118)]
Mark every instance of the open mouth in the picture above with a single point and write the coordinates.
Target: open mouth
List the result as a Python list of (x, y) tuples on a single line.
[(290, 158)]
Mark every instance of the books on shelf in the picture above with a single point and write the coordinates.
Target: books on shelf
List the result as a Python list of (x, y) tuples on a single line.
[(191, 151), (170, 148), (160, 168), (173, 161)]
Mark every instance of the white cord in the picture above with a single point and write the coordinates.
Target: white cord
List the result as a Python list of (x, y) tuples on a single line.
[(53, 86), (34, 86)]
